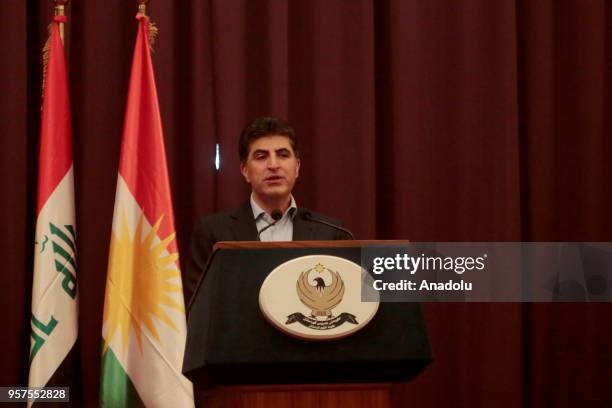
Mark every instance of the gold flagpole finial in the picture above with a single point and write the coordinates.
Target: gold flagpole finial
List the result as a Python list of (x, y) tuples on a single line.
[(152, 28), (142, 6), (60, 8)]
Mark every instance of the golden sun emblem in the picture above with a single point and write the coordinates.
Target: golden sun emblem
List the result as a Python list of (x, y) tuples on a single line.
[(142, 277)]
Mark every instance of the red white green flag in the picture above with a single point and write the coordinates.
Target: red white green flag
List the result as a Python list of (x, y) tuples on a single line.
[(144, 327), (54, 321)]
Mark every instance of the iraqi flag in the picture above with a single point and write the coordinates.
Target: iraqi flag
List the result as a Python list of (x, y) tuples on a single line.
[(54, 320), (144, 327)]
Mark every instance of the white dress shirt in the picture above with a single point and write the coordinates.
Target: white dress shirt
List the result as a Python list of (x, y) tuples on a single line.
[(282, 231)]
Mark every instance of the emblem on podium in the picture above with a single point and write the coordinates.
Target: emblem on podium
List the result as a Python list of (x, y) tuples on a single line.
[(316, 297)]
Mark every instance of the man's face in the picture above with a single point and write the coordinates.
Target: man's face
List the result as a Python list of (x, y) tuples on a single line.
[(271, 167)]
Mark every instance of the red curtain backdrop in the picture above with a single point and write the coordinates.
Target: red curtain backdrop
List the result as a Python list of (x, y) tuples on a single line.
[(429, 120)]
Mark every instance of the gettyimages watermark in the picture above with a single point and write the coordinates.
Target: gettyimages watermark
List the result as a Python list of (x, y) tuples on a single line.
[(488, 272)]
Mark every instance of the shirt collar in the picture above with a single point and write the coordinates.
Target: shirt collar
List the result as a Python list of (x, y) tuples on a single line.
[(259, 212)]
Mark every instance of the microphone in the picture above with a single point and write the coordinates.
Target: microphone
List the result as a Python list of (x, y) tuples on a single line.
[(307, 215), (276, 215)]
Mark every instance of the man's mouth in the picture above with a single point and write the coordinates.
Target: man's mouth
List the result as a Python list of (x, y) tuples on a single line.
[(273, 178)]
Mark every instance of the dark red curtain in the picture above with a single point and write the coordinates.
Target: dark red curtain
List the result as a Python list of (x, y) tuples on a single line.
[(428, 120)]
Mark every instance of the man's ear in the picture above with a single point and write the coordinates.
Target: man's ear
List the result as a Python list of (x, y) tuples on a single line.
[(244, 172), (297, 168)]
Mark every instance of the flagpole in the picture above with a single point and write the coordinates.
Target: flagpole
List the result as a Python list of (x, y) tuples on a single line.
[(144, 328), (54, 321), (60, 7)]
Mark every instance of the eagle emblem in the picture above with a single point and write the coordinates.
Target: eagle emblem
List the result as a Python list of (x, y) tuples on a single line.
[(318, 296)]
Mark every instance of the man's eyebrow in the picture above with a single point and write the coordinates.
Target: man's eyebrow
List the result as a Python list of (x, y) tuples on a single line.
[(264, 151)]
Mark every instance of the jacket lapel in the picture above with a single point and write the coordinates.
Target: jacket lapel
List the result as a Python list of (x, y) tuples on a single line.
[(302, 230), (243, 227)]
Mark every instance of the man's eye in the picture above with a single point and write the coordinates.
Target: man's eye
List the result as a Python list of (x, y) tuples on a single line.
[(259, 156)]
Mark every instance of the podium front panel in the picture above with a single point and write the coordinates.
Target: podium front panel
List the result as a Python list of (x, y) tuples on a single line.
[(230, 342)]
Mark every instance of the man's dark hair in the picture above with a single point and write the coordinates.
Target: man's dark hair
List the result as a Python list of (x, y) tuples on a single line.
[(265, 126)]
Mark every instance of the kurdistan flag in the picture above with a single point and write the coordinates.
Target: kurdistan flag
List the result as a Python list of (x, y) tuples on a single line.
[(54, 320), (144, 327)]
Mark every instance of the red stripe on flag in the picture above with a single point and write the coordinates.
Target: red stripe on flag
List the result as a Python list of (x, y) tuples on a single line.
[(55, 132), (143, 156)]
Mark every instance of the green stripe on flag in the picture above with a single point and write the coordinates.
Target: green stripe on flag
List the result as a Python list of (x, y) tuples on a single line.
[(116, 388)]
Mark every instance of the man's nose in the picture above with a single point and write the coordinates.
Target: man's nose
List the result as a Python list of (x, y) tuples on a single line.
[(273, 162)]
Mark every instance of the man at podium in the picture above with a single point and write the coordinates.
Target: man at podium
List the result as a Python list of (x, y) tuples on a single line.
[(270, 162)]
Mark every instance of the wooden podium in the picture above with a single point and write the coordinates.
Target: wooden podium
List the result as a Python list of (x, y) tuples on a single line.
[(236, 358)]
